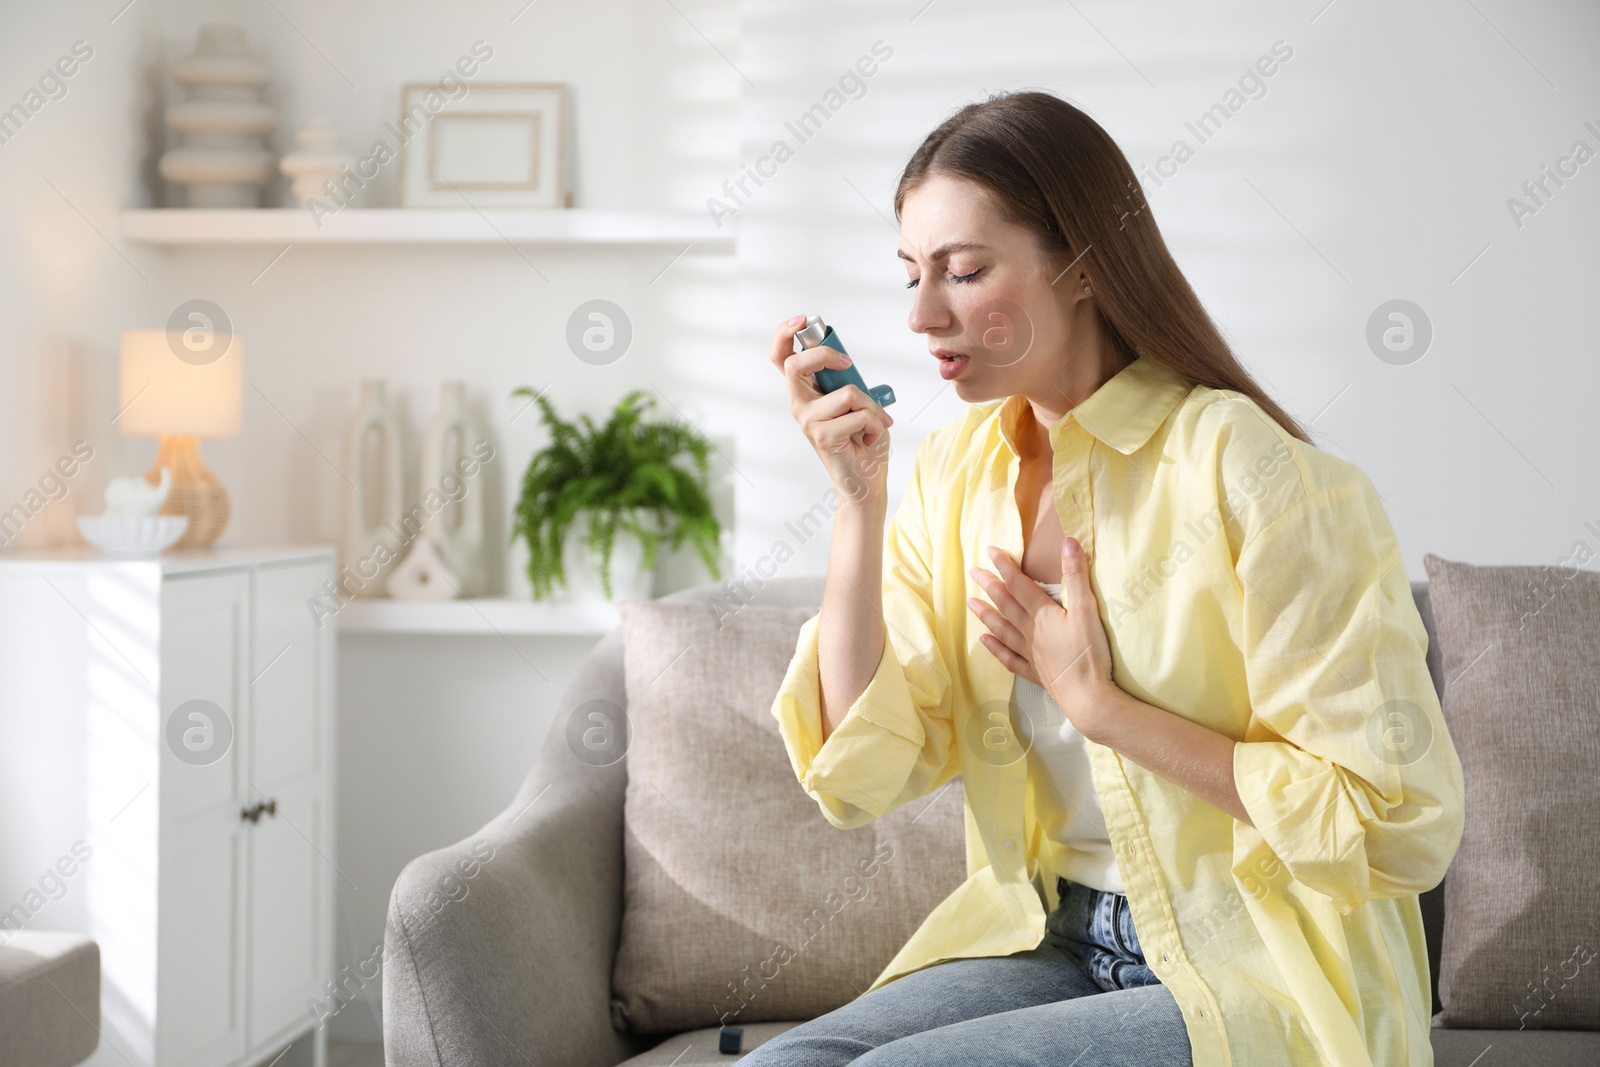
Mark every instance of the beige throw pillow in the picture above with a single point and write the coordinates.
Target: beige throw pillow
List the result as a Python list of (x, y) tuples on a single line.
[(1521, 662), (742, 903)]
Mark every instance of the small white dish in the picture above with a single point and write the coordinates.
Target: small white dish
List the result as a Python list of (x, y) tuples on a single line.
[(132, 535)]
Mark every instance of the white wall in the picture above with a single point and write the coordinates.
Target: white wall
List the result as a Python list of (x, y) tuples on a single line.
[(1377, 166), (65, 289), (66, 284)]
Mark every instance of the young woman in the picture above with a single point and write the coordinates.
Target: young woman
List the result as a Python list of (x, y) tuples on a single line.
[(1167, 643)]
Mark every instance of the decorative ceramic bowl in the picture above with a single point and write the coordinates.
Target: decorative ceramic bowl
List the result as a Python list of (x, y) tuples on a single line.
[(132, 535)]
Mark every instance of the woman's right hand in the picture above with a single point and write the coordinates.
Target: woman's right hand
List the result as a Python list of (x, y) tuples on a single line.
[(847, 429)]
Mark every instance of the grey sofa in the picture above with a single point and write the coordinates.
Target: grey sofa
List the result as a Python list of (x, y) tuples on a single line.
[(49, 998), (518, 970)]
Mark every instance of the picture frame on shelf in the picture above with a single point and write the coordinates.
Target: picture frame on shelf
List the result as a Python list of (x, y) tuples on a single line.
[(503, 145)]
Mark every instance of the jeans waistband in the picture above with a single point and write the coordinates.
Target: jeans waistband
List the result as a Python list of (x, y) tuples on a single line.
[(1079, 905), (1095, 926)]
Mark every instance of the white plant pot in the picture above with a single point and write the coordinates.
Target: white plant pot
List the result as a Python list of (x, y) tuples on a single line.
[(517, 585), (629, 579)]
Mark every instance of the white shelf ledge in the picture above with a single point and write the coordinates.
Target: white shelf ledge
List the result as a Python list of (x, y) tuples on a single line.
[(478, 615), (173, 227)]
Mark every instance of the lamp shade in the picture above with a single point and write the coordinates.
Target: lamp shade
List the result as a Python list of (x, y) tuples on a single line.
[(166, 389)]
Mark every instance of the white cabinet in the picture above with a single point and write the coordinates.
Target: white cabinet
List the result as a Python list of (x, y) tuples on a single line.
[(187, 702), (291, 872)]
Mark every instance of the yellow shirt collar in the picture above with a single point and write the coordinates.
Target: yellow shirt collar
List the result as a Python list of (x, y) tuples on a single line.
[(1124, 412)]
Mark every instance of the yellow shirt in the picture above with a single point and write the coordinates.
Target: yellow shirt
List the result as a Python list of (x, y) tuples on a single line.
[(1247, 581)]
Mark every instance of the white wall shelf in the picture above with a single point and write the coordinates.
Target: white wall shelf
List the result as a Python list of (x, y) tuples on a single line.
[(175, 227), (477, 615)]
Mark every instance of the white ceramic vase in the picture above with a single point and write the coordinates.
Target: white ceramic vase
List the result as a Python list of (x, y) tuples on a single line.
[(457, 530), (222, 162), (317, 158), (371, 533)]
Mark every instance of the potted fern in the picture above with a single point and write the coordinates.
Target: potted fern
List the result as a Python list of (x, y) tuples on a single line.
[(611, 492)]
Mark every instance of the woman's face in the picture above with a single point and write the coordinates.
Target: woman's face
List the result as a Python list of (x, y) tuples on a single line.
[(982, 292)]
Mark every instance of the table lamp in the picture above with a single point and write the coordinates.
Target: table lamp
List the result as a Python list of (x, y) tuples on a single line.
[(179, 400)]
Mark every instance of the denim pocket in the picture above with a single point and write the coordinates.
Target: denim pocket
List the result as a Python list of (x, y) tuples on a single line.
[(1097, 927), (1122, 928)]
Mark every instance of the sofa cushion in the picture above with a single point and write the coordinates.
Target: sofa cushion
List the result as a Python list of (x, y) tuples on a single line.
[(49, 997), (742, 903), (1520, 648)]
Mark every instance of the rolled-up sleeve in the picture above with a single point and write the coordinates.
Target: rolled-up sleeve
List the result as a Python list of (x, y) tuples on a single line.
[(895, 742), (1347, 769)]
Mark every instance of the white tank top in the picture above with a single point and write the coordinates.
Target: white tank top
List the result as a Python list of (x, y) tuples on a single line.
[(1067, 805)]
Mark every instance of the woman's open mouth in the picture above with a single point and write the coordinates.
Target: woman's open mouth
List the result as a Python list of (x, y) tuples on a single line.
[(951, 366)]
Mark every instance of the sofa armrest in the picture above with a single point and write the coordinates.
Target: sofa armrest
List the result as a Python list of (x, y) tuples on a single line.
[(499, 949)]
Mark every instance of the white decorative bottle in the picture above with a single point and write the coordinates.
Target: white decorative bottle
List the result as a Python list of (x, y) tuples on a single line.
[(371, 533), (317, 158), (451, 445), (222, 162)]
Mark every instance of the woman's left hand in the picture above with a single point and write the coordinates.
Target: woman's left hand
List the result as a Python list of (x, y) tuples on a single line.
[(1062, 648)]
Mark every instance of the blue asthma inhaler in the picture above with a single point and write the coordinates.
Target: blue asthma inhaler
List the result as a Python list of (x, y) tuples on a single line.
[(816, 332)]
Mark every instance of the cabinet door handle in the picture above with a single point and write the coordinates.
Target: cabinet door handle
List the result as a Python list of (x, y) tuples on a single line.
[(254, 813)]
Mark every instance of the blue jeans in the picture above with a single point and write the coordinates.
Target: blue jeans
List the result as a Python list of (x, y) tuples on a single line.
[(1083, 996)]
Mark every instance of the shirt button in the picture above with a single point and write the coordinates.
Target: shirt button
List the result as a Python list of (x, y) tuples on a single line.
[(1008, 844)]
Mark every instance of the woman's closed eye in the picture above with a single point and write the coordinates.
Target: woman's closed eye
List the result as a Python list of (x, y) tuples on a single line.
[(912, 284)]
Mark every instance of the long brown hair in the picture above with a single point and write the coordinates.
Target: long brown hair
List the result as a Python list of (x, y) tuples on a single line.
[(1053, 169)]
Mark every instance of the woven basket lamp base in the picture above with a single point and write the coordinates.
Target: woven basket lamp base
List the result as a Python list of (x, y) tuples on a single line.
[(195, 491)]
